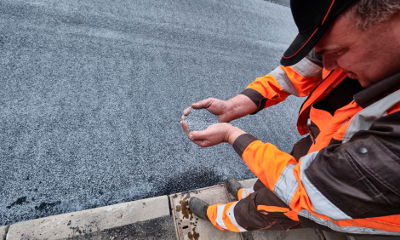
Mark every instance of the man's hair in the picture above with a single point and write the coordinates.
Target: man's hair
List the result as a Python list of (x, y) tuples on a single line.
[(367, 13)]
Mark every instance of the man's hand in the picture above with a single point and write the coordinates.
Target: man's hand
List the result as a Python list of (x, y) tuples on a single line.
[(218, 107), (214, 134), (226, 111)]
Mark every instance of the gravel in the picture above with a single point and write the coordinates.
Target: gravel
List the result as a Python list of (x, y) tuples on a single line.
[(200, 119)]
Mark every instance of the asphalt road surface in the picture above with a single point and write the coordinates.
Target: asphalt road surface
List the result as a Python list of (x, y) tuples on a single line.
[(92, 93)]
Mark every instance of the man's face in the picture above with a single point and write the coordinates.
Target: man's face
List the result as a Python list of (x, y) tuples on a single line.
[(369, 56)]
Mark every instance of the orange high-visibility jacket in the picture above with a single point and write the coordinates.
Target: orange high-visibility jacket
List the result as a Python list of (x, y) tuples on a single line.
[(349, 179)]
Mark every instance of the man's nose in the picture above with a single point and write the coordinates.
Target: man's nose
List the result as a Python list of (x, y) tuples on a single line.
[(329, 61)]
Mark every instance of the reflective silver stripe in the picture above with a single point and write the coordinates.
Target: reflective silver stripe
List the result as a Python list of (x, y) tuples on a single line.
[(284, 81), (220, 211), (247, 191), (320, 203), (346, 229), (231, 216), (286, 185), (364, 118), (307, 68)]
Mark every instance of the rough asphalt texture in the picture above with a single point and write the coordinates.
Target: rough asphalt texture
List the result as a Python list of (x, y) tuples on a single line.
[(92, 93), (200, 119)]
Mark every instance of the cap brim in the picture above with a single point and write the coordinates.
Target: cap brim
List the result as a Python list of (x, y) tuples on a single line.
[(302, 45)]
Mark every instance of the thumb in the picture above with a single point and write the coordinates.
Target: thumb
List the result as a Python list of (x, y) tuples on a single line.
[(203, 103), (197, 135)]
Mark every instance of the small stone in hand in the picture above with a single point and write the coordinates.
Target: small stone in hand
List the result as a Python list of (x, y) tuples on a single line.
[(200, 119)]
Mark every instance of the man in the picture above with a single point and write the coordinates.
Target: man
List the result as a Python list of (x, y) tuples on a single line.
[(344, 176)]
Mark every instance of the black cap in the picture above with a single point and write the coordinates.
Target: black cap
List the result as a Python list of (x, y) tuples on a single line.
[(312, 18)]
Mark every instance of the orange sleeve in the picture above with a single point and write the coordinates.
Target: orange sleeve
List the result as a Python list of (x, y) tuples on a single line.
[(265, 160), (303, 85), (278, 85), (269, 89)]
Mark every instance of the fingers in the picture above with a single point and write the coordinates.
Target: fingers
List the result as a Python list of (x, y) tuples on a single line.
[(185, 127), (203, 103), (198, 135), (213, 135), (200, 138), (186, 112)]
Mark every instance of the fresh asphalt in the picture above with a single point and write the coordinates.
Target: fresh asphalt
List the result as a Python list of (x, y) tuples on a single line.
[(92, 93)]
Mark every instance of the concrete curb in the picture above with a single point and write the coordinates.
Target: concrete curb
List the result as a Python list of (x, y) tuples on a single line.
[(3, 232), (89, 221)]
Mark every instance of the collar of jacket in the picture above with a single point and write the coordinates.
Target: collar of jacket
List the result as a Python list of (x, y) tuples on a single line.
[(378, 91)]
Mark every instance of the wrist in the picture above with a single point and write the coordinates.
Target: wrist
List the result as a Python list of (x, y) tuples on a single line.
[(228, 114), (240, 106), (233, 133)]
